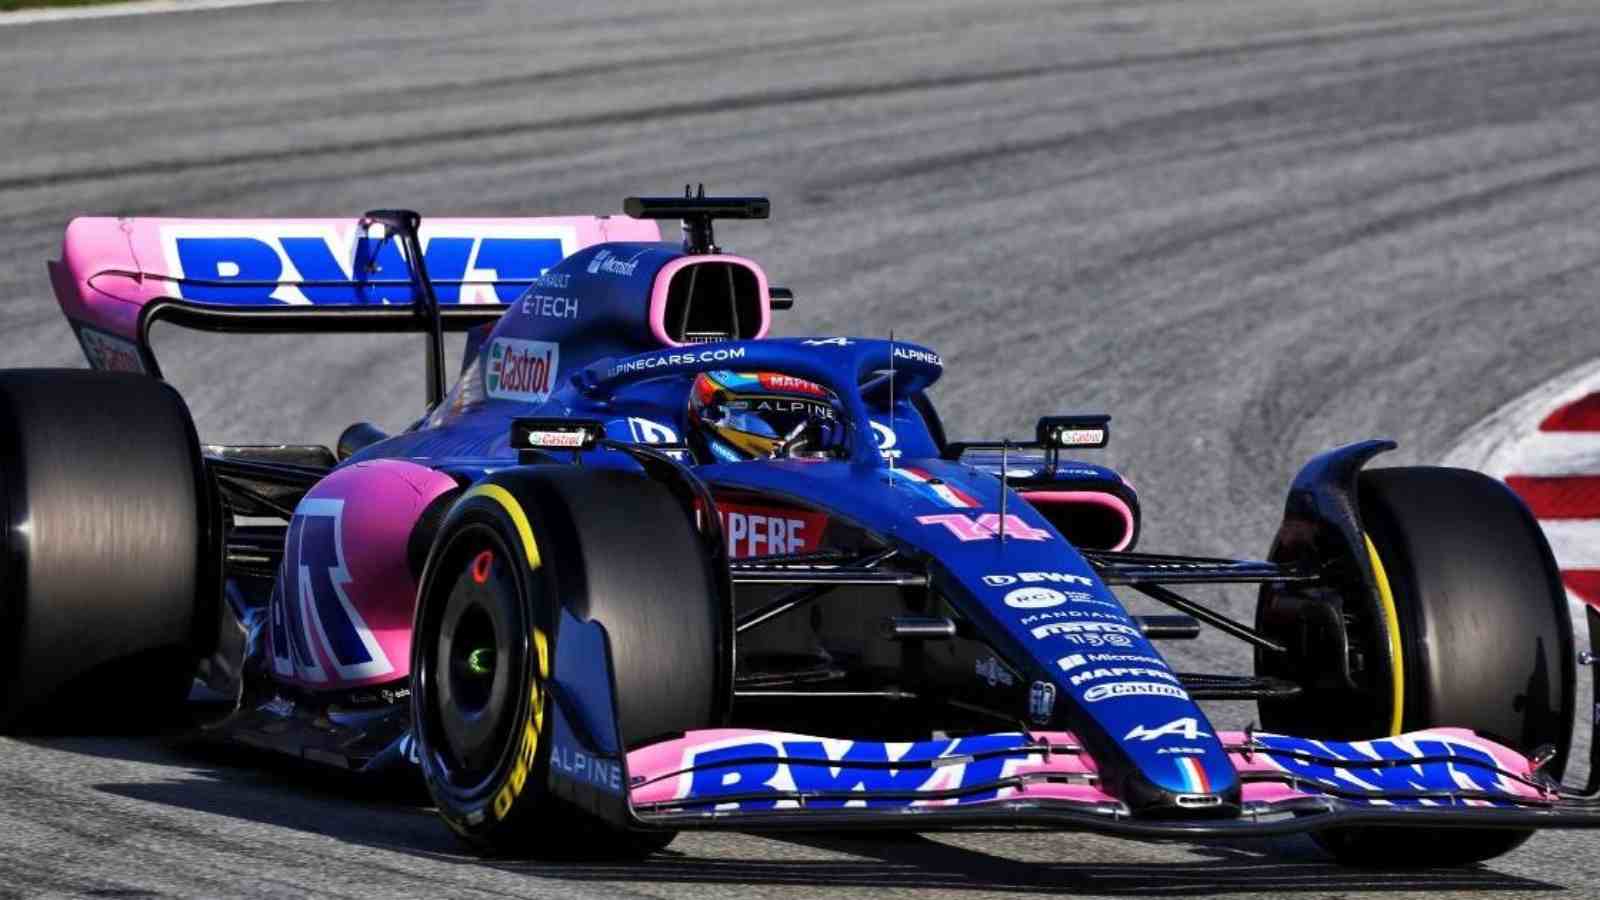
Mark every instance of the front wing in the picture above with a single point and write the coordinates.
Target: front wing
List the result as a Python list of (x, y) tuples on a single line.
[(755, 780)]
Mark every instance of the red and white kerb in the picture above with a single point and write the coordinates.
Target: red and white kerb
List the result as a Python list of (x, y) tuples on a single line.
[(1557, 473)]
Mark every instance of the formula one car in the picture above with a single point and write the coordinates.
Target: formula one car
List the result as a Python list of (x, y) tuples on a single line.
[(643, 568)]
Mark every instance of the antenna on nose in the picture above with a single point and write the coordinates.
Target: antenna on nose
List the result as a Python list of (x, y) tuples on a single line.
[(890, 456)]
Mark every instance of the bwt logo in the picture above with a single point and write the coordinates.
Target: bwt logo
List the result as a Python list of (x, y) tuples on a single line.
[(1468, 767), (865, 768), (1037, 578), (311, 252)]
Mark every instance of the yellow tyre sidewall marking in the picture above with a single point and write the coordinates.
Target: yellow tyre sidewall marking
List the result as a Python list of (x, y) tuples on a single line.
[(518, 778), (512, 788), (513, 509), (1391, 625)]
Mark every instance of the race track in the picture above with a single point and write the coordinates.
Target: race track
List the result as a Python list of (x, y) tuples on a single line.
[(1250, 229)]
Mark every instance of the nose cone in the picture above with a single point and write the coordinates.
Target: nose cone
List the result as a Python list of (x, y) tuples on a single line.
[(1194, 796)]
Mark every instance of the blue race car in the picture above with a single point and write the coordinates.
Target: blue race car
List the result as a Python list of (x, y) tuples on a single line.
[(643, 568)]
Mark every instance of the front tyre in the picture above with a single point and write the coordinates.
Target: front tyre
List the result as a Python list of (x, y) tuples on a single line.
[(519, 546), (1481, 621)]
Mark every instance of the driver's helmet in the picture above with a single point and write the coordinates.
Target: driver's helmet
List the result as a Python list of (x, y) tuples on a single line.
[(737, 416)]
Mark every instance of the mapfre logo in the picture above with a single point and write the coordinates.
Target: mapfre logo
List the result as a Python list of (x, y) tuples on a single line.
[(770, 531), (776, 381), (522, 370)]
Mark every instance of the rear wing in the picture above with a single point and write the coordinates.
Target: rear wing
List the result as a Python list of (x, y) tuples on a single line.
[(386, 272)]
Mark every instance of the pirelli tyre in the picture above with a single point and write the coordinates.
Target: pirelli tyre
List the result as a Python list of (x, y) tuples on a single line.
[(110, 559), (1477, 619), (613, 547)]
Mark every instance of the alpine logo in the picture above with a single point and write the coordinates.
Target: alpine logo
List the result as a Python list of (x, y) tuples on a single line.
[(522, 370), (1187, 728), (917, 354), (602, 772)]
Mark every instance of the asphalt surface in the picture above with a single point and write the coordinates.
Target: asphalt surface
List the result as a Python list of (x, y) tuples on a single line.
[(1250, 229)]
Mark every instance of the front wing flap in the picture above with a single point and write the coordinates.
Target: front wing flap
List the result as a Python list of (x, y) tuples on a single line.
[(754, 779), (749, 779)]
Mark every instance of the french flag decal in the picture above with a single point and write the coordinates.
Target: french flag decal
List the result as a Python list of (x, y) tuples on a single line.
[(942, 491), (1193, 775)]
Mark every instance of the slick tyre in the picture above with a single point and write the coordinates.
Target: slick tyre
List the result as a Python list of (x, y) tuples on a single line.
[(608, 546), (1484, 638), (110, 562)]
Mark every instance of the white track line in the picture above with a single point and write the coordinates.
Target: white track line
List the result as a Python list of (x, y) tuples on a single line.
[(1558, 453), (118, 10)]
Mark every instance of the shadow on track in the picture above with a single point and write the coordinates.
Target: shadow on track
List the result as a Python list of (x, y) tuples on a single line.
[(919, 862), (280, 792)]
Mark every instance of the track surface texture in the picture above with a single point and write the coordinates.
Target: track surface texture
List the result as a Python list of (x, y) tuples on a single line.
[(1250, 229)]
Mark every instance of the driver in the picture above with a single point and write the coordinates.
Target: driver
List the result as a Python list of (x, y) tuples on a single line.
[(738, 416)]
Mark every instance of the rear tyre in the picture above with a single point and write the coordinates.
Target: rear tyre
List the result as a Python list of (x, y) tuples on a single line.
[(1484, 633), (613, 547), (108, 559)]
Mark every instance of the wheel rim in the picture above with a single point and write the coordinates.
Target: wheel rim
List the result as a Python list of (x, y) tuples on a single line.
[(475, 670)]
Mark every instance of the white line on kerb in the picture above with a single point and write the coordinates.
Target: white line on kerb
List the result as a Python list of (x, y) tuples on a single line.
[(1575, 542), (118, 10), (1508, 443)]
